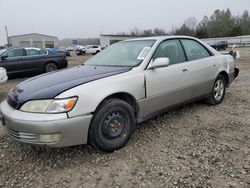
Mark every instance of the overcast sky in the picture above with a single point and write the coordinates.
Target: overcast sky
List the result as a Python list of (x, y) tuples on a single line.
[(88, 18)]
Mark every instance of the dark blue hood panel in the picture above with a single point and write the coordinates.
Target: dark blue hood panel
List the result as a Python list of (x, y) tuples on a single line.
[(49, 85)]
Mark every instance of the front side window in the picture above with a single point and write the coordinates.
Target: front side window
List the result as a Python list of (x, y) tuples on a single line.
[(171, 49), (15, 53), (194, 50), (127, 53)]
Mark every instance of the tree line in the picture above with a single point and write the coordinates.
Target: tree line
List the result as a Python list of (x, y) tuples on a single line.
[(222, 23)]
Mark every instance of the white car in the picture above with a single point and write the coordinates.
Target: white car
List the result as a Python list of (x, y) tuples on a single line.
[(93, 49), (3, 75)]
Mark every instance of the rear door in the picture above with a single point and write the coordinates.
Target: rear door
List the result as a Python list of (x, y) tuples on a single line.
[(13, 63), (201, 66), (167, 86)]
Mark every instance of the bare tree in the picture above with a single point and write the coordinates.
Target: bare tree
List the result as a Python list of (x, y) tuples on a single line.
[(191, 23), (159, 32), (135, 32)]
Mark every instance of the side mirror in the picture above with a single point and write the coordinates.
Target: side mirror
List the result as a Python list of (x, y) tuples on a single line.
[(3, 57), (159, 62)]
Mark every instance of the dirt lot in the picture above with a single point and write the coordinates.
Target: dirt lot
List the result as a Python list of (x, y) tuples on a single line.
[(193, 146)]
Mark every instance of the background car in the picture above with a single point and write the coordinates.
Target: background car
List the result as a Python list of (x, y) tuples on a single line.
[(27, 61), (63, 51), (220, 45), (3, 75), (93, 49), (70, 49), (80, 50)]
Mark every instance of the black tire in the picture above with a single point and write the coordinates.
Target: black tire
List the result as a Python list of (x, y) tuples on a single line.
[(50, 66), (112, 125), (218, 91)]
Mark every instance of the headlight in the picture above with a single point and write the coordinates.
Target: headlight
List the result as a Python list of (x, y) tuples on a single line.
[(50, 106), (61, 105), (36, 106)]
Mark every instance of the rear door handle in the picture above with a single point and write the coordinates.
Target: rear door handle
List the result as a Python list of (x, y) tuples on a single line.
[(184, 70)]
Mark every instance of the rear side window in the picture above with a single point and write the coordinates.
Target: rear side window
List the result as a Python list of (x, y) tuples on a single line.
[(171, 49), (32, 52), (43, 52), (194, 50)]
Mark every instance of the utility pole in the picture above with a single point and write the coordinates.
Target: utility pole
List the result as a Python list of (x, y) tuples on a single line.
[(7, 35)]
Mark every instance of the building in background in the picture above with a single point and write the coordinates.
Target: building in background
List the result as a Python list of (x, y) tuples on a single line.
[(107, 40), (34, 40)]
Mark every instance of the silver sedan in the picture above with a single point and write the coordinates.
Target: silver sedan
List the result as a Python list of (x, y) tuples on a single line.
[(100, 102)]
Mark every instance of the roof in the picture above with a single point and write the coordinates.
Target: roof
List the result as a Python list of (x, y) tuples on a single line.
[(32, 34), (161, 37), (106, 35), (152, 37)]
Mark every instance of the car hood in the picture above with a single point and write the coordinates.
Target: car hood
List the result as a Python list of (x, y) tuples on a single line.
[(48, 86)]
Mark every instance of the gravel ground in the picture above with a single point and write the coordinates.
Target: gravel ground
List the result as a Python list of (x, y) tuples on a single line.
[(193, 146)]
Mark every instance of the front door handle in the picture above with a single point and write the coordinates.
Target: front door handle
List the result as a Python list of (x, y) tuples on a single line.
[(184, 70)]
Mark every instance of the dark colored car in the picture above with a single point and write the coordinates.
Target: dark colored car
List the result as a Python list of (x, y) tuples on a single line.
[(220, 45), (27, 61), (65, 52), (80, 51)]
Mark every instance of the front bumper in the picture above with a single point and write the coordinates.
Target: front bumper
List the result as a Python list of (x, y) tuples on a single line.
[(28, 127)]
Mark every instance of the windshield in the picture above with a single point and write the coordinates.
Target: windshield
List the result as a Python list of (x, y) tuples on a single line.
[(2, 51), (129, 54)]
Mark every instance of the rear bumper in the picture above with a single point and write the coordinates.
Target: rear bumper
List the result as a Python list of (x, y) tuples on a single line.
[(71, 131), (233, 75)]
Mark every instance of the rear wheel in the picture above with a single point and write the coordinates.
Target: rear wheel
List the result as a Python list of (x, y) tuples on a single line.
[(218, 91), (112, 125), (50, 66)]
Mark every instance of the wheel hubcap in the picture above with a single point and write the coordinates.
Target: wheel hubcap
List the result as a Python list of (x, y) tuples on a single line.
[(218, 90), (50, 67), (113, 125)]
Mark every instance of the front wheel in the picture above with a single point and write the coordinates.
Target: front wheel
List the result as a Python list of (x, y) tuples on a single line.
[(218, 91), (112, 125)]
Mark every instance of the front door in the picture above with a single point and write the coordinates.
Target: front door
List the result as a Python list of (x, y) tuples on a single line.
[(169, 85), (13, 62)]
